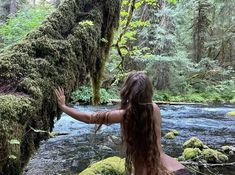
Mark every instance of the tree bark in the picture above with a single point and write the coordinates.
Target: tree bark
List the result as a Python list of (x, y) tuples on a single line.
[(63, 51)]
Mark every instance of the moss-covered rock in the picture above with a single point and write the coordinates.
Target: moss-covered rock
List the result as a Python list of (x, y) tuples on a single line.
[(191, 153), (171, 134), (175, 132), (214, 156), (181, 158), (63, 51), (193, 142), (228, 149), (109, 166), (231, 114)]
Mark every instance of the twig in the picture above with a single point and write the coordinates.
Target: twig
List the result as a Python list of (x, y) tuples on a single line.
[(208, 164)]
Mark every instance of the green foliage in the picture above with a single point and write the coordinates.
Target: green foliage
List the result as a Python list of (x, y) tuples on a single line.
[(17, 27), (84, 93)]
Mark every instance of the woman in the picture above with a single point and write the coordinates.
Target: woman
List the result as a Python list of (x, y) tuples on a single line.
[(140, 126)]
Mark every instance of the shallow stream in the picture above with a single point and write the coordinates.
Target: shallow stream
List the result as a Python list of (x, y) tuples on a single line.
[(71, 153)]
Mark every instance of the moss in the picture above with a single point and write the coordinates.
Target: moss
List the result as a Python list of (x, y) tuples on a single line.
[(214, 156), (15, 108), (231, 114), (175, 132), (109, 166), (193, 142), (191, 153), (181, 158), (170, 135)]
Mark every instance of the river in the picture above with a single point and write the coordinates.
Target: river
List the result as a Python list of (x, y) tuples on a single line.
[(70, 153)]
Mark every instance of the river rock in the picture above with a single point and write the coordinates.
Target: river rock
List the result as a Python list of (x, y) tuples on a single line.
[(113, 165), (231, 114), (228, 149), (172, 134), (191, 153), (214, 156), (175, 132), (193, 142)]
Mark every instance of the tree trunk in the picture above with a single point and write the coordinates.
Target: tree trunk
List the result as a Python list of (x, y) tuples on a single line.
[(62, 52), (200, 26)]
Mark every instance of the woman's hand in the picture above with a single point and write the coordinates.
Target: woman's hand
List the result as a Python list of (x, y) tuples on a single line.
[(59, 92)]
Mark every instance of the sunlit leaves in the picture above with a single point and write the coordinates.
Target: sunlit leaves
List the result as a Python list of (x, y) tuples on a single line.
[(16, 27), (172, 1)]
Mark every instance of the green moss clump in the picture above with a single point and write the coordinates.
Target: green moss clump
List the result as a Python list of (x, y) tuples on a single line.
[(181, 158), (214, 156), (193, 142), (15, 108), (231, 114), (191, 153), (170, 135), (109, 166), (175, 132)]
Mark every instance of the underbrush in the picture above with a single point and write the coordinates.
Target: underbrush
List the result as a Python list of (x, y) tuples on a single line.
[(84, 94)]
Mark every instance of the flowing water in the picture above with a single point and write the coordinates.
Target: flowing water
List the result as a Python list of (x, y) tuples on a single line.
[(72, 152)]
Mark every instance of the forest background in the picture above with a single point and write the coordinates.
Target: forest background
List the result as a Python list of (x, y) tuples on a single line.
[(186, 46)]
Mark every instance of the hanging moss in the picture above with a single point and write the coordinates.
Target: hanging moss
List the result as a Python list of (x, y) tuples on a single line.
[(63, 51)]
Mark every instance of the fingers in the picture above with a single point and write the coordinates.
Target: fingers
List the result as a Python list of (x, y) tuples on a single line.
[(56, 93), (59, 92)]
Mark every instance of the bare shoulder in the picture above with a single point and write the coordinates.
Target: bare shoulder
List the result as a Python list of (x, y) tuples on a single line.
[(156, 112), (156, 107)]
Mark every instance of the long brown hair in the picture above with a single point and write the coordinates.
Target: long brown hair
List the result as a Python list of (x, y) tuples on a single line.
[(138, 127)]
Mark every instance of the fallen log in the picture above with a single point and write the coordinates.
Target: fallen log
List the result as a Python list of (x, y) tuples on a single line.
[(164, 102), (207, 164), (63, 51)]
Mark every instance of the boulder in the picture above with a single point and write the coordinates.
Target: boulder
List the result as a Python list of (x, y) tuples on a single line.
[(191, 153), (110, 166), (193, 142), (214, 156)]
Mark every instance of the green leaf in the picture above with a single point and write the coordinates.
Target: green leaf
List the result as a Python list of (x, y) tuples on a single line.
[(14, 142), (172, 1)]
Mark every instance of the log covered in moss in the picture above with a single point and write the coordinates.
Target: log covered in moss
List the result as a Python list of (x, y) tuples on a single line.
[(72, 43)]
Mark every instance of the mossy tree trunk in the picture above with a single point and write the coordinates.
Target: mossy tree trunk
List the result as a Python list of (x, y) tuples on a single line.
[(71, 44)]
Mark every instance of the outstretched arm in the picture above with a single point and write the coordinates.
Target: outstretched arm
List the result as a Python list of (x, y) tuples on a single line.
[(95, 118)]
